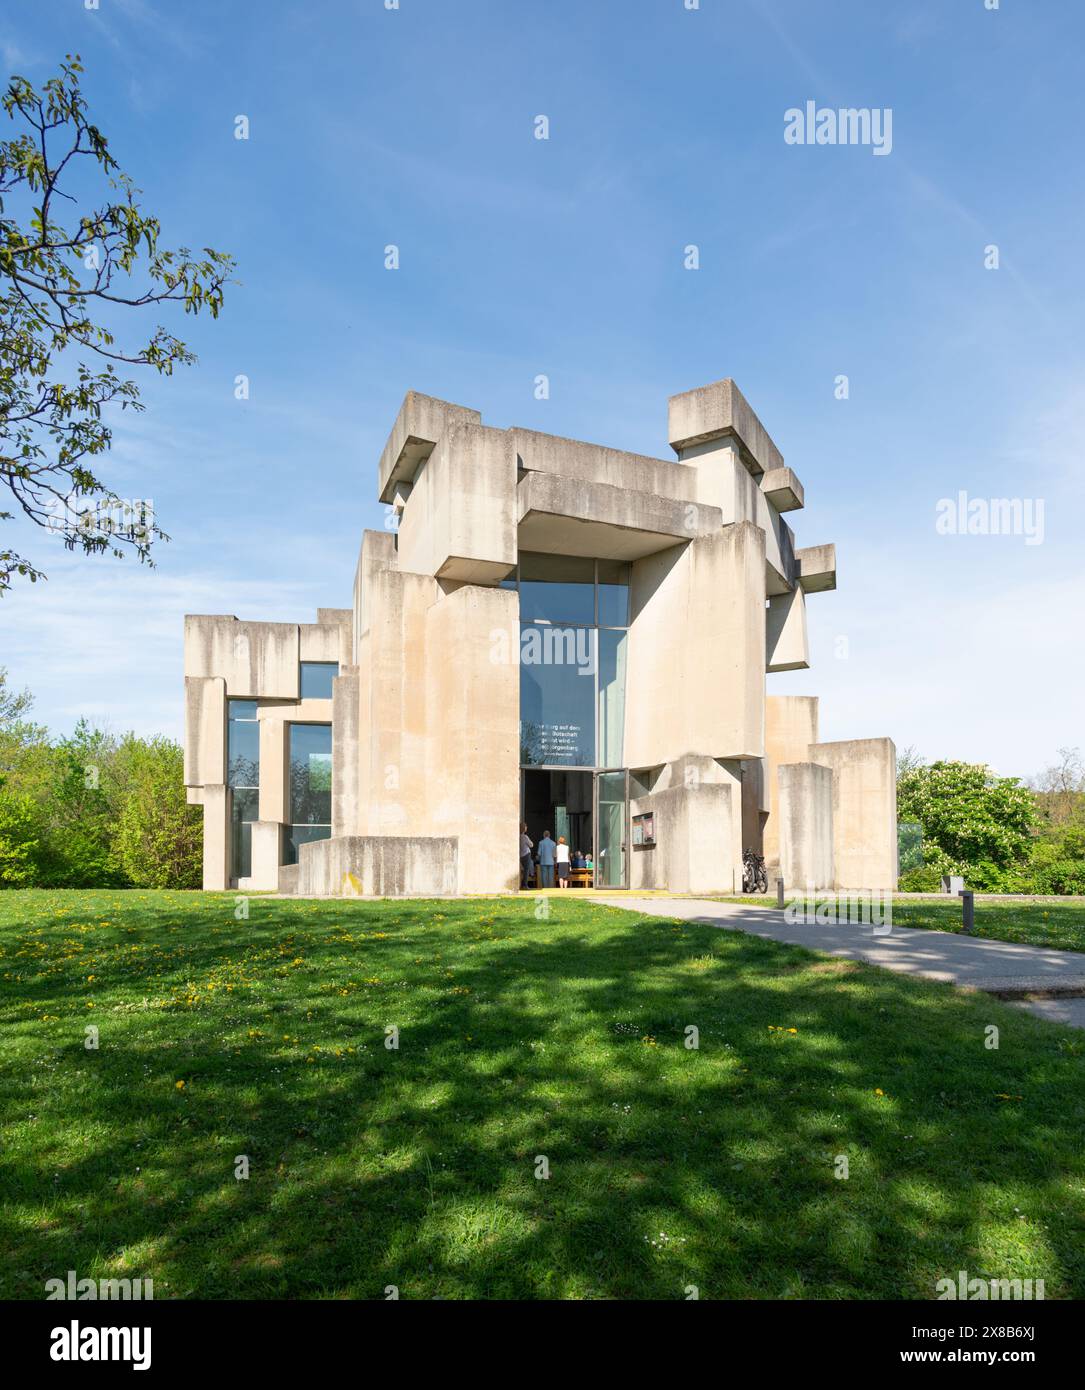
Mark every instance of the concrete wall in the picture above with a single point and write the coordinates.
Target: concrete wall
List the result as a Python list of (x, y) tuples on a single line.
[(791, 726), (254, 659), (382, 866), (216, 839), (205, 730), (459, 522), (864, 810), (806, 825), (473, 731), (695, 681), (697, 803), (346, 752), (594, 463)]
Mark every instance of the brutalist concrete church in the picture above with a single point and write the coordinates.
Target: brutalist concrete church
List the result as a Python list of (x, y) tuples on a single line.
[(553, 633)]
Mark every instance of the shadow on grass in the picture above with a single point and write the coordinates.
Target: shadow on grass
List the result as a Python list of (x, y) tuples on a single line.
[(520, 1040)]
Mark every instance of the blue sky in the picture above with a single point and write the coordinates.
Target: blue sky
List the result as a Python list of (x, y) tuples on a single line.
[(565, 257)]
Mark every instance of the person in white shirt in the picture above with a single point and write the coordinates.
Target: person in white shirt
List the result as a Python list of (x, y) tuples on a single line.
[(526, 846), (561, 860)]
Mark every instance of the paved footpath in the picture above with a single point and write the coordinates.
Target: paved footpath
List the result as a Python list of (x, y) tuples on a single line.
[(999, 967)]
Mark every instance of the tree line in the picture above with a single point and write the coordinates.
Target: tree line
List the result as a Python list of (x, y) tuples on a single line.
[(1000, 834), (92, 810)]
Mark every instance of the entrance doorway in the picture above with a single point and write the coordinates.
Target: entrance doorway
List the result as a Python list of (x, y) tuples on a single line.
[(589, 808)]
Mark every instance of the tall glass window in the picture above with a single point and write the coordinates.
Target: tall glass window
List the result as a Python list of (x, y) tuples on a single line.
[(557, 589), (243, 777), (316, 679), (612, 649), (310, 786), (574, 613)]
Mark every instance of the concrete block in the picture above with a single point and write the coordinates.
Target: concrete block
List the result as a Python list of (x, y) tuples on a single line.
[(864, 810), (593, 463), (783, 489), (787, 648), (378, 866), (473, 734), (724, 481), (806, 825), (216, 838), (420, 425), (717, 410), (791, 726), (563, 516), (346, 752), (266, 855), (695, 679), (205, 730), (460, 520), (377, 553), (816, 568), (256, 660), (698, 826)]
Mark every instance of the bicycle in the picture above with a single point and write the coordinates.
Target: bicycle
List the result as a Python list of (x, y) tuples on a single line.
[(755, 877)]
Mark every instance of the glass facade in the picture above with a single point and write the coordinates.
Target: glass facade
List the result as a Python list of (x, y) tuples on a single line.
[(310, 808), (573, 618), (316, 679), (243, 778)]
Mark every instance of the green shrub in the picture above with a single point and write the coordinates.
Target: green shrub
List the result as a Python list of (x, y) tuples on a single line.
[(1060, 876), (159, 837), (20, 842)]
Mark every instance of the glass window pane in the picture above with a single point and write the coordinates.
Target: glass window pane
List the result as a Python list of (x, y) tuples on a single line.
[(557, 589), (612, 662), (298, 835), (311, 774), (316, 679), (610, 865), (613, 593), (243, 758), (557, 695), (245, 809)]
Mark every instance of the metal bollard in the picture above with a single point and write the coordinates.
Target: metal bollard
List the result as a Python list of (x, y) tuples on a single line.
[(779, 892), (968, 911)]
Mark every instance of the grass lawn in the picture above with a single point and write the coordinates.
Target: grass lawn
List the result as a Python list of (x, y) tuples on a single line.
[(1039, 922), (518, 1038)]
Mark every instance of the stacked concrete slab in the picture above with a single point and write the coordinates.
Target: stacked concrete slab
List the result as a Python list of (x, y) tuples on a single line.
[(425, 709)]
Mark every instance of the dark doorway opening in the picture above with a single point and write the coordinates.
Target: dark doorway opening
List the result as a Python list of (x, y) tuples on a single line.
[(590, 809)]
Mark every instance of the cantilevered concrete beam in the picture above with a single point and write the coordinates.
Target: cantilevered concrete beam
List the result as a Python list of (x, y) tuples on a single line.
[(782, 489), (816, 566), (421, 422), (565, 516)]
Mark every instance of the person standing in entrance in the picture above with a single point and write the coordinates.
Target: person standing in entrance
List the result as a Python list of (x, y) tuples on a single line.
[(526, 846), (561, 855), (546, 861)]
